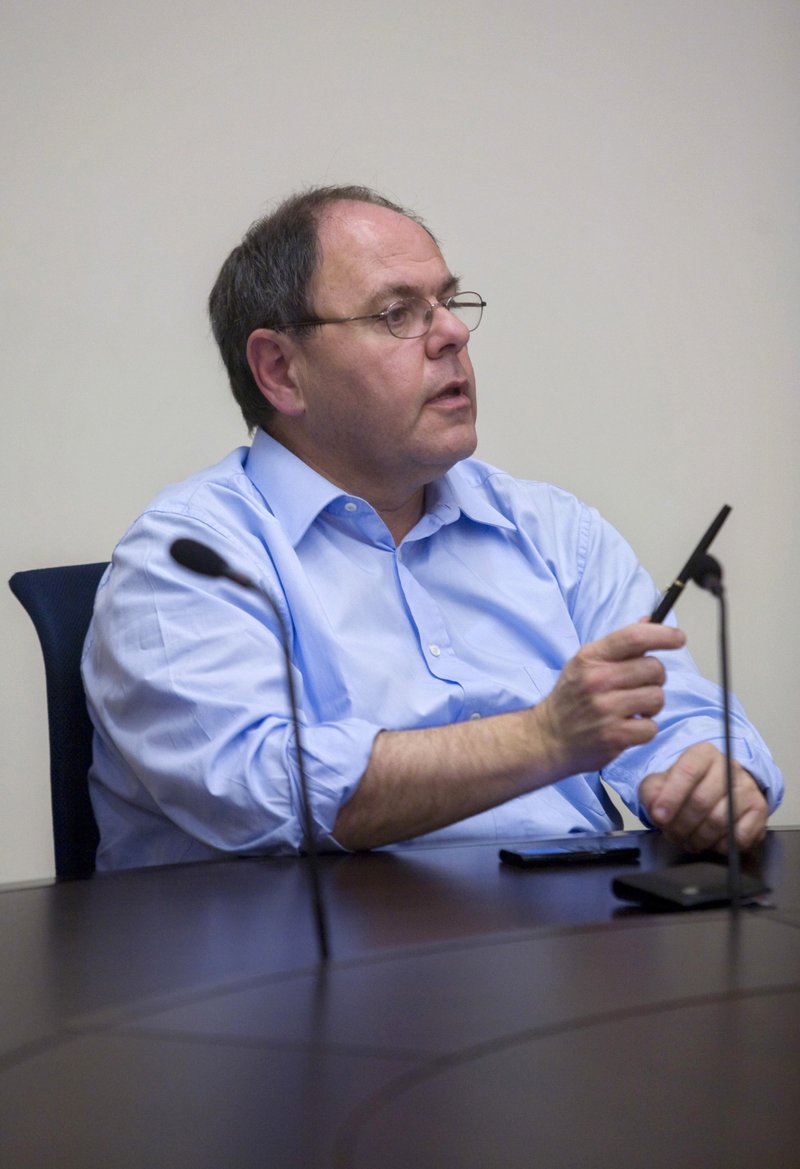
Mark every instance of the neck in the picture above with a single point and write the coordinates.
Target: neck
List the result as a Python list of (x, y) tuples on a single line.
[(400, 510), (400, 520)]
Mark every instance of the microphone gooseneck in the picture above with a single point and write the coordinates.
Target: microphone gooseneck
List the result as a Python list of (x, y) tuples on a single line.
[(706, 572), (201, 559)]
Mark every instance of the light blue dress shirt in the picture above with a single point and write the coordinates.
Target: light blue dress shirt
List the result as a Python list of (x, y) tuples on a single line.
[(474, 614)]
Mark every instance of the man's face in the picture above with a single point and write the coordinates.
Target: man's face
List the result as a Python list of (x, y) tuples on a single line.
[(381, 416)]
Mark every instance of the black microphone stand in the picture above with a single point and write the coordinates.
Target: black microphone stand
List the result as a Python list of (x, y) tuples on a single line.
[(700, 884), (200, 558), (706, 571)]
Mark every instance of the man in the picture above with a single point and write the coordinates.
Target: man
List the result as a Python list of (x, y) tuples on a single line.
[(468, 650)]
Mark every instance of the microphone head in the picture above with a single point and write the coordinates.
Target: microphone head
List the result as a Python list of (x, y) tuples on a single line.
[(706, 571), (198, 557)]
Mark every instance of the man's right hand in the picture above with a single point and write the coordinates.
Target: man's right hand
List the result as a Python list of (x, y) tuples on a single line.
[(606, 698), (419, 780)]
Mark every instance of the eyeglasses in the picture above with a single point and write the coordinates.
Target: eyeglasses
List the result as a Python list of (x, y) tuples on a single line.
[(413, 315)]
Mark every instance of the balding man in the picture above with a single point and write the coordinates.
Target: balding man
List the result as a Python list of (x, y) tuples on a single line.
[(467, 648)]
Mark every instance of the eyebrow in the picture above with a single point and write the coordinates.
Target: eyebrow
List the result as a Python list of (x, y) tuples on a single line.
[(392, 292)]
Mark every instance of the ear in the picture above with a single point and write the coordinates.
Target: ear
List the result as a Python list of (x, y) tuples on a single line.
[(271, 357)]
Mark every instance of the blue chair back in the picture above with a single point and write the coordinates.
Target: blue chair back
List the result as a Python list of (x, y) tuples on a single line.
[(59, 601)]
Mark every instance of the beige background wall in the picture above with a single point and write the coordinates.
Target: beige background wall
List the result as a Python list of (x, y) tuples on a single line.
[(619, 178)]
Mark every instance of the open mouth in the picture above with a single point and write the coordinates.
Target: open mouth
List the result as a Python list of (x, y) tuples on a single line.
[(456, 391)]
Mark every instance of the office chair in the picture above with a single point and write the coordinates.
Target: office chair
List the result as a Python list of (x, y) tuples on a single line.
[(59, 601)]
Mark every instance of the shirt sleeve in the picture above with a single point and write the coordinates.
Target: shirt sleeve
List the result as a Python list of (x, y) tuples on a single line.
[(186, 680)]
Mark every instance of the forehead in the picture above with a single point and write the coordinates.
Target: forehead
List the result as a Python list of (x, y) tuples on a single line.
[(368, 250)]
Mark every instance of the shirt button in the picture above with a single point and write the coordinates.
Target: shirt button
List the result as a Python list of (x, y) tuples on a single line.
[(350, 506), (435, 650), (474, 715)]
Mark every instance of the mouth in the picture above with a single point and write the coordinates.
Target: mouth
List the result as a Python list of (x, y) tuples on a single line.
[(453, 394)]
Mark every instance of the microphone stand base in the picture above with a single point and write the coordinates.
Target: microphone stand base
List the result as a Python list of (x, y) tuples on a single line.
[(696, 885)]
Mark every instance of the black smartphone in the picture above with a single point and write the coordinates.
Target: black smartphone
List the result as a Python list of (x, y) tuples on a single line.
[(571, 850)]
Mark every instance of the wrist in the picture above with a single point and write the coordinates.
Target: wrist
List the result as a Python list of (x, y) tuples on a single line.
[(549, 751)]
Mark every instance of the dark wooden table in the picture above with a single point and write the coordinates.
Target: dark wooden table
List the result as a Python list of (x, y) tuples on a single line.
[(470, 1015)]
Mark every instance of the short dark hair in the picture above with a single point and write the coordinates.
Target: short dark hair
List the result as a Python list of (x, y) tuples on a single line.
[(265, 282)]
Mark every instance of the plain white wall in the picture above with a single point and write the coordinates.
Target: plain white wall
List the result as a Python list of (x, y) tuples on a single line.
[(619, 178)]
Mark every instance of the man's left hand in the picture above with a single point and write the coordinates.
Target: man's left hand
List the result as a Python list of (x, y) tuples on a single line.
[(688, 802)]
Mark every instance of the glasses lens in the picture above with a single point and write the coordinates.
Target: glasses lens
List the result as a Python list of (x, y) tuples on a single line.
[(468, 307), (412, 316), (409, 318)]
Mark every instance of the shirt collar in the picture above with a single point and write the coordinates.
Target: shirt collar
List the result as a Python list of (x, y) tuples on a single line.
[(296, 494), (463, 489)]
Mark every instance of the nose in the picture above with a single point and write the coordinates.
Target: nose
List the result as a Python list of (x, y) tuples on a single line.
[(446, 330)]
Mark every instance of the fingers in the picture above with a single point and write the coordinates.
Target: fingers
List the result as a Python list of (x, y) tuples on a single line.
[(644, 702), (711, 834), (689, 802), (634, 641), (751, 825), (606, 698), (625, 673), (622, 686)]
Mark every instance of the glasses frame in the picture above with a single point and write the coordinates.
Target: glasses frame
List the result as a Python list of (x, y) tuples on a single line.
[(384, 314)]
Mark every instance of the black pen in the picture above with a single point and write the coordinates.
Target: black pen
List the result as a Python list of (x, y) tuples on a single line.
[(679, 584)]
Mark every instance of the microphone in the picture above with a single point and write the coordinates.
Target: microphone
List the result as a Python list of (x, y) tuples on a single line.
[(697, 885), (706, 572), (201, 559)]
